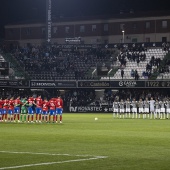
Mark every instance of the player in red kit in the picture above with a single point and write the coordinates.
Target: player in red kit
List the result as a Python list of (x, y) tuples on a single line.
[(52, 105), (45, 106), (38, 110), (17, 103), (5, 110), (11, 109), (30, 109), (1, 109), (59, 108)]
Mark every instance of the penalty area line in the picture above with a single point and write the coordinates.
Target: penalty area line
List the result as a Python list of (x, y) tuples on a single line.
[(51, 163)]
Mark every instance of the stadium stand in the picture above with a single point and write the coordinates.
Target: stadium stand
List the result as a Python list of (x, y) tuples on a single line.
[(137, 64), (51, 63)]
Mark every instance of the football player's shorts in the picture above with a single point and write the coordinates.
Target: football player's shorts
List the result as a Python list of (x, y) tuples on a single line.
[(38, 110), (168, 110), (121, 110), (127, 110), (17, 110), (157, 110), (23, 111), (1, 111), (115, 110), (30, 110), (4, 111), (52, 112), (10, 111), (59, 111), (45, 112), (162, 110), (146, 110), (134, 110), (140, 110)]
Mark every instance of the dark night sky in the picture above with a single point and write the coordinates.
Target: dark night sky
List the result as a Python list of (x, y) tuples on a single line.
[(18, 10)]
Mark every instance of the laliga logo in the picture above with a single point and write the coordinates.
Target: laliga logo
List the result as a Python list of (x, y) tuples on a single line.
[(128, 83), (120, 83)]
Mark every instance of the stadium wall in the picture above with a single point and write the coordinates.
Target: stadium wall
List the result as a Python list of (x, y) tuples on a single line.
[(94, 31)]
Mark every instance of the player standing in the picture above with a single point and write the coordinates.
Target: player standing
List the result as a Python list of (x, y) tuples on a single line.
[(30, 109), (146, 108), (24, 109), (157, 109), (115, 107), (52, 105), (134, 108), (1, 109), (162, 103), (167, 108), (38, 109), (5, 110), (128, 103), (11, 109), (152, 109), (59, 109), (45, 105), (121, 104), (17, 104), (140, 104)]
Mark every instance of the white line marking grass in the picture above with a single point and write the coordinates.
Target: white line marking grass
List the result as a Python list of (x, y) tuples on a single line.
[(51, 163)]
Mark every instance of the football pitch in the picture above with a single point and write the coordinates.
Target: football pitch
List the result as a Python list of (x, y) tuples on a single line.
[(83, 143)]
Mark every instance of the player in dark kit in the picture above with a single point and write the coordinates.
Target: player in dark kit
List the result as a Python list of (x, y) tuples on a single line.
[(30, 109)]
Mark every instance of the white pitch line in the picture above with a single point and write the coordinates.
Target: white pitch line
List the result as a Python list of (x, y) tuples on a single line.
[(51, 163), (50, 154)]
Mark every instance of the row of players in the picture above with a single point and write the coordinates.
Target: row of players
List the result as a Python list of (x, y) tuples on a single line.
[(23, 109), (156, 107)]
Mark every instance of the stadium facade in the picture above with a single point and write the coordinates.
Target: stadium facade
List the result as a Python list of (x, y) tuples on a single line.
[(122, 28)]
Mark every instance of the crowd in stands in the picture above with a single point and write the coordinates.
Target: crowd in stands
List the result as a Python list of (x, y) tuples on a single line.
[(51, 60)]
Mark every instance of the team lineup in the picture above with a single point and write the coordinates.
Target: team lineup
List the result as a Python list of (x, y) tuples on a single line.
[(22, 110), (156, 109)]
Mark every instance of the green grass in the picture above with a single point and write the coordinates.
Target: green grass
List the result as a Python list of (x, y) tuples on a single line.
[(129, 144)]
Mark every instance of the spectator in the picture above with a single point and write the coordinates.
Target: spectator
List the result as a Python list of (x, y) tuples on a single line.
[(122, 73)]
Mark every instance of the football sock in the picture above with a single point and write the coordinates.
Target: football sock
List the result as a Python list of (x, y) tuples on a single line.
[(18, 116), (39, 117), (14, 116), (25, 118), (54, 118)]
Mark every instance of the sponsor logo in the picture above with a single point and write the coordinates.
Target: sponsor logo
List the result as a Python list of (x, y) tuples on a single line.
[(94, 84), (127, 83), (42, 84), (89, 109), (73, 109)]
